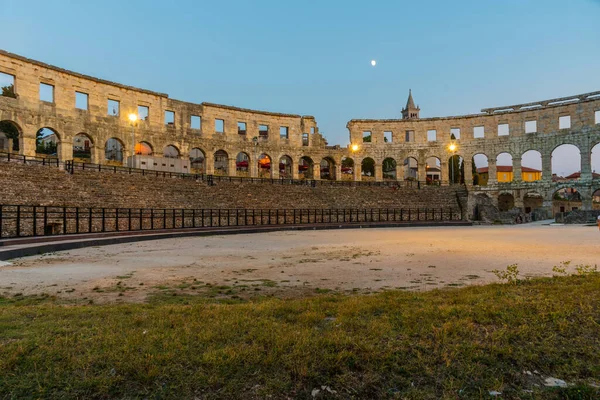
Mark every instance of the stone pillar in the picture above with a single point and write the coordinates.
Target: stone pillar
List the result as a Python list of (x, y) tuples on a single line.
[(357, 171), (316, 171), (378, 172), (468, 171), (209, 163), (27, 146), (399, 172), (9, 148), (231, 167), (586, 165), (547, 167), (517, 175), (421, 172), (492, 174), (253, 167), (97, 154), (274, 169), (338, 172), (65, 150), (295, 174)]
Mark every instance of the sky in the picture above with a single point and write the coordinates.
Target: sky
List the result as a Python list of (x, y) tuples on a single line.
[(313, 58)]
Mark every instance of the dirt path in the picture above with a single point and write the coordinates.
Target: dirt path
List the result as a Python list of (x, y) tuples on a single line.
[(295, 263)]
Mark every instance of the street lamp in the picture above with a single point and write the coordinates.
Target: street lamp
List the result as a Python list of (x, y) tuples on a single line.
[(453, 149), (132, 119), (354, 148)]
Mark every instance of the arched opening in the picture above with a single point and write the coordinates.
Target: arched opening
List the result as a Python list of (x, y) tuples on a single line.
[(566, 163), (367, 168), (113, 151), (504, 167), (347, 169), (596, 200), (565, 200), (480, 169), (305, 168), (221, 162), (285, 167), (389, 169), (506, 202), (411, 169), (47, 142), (82, 147), (327, 168), (197, 161), (433, 168), (595, 160), (264, 166), (9, 130), (242, 164), (532, 201), (456, 170), (143, 149), (531, 166), (171, 152)]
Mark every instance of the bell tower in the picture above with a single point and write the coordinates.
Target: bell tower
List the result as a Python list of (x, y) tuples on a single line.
[(410, 111)]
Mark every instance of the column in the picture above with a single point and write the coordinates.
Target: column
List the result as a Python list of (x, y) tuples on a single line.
[(65, 150), (547, 167), (338, 172), (253, 166), (231, 167), (586, 165), (274, 168), (316, 171), (444, 173), (27, 146), (357, 171), (378, 172), (97, 154), (517, 176), (209, 163), (421, 172), (468, 170), (399, 171), (492, 174)]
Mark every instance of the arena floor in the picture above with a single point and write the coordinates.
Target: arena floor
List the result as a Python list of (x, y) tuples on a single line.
[(291, 264)]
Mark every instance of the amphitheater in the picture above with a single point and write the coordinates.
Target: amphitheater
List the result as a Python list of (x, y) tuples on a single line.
[(182, 156)]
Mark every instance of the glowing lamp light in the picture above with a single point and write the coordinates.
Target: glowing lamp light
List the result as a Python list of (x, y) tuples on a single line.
[(452, 147), (354, 147), (133, 117)]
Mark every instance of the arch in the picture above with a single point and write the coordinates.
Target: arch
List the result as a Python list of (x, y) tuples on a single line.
[(144, 149), (221, 163), (347, 168), (566, 199), (327, 166), (433, 170), (389, 169), (480, 169), (171, 151), (531, 166), (264, 166), (367, 167), (242, 164), (286, 167), (456, 170), (113, 151), (10, 130), (305, 168), (506, 202), (504, 167), (197, 161), (47, 142), (566, 163), (532, 201), (411, 169), (82, 147)]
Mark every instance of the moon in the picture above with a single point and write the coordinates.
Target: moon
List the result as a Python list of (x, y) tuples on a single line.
[(373, 63)]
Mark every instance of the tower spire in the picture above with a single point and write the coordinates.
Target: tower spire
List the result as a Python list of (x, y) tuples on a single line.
[(411, 111)]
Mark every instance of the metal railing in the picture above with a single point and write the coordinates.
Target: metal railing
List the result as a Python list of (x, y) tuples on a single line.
[(13, 157), (28, 221)]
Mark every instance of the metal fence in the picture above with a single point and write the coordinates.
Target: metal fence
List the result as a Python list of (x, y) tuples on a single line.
[(12, 157), (27, 221)]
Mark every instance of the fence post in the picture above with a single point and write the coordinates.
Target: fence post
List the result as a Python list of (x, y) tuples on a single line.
[(117, 218), (18, 221), (76, 219), (1, 218), (90, 220), (65, 220), (34, 221), (141, 219)]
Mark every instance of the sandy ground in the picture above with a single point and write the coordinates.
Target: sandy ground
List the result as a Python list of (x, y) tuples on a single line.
[(289, 264)]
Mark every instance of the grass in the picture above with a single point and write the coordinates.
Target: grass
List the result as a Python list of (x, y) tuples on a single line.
[(442, 344)]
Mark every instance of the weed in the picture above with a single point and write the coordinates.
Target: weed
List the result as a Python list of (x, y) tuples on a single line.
[(511, 275)]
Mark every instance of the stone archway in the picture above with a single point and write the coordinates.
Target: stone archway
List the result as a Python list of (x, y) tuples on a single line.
[(10, 131)]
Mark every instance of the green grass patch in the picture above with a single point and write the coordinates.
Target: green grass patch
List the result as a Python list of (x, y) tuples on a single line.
[(443, 344)]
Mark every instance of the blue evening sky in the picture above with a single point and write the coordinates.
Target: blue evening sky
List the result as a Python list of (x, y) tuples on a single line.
[(313, 57)]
